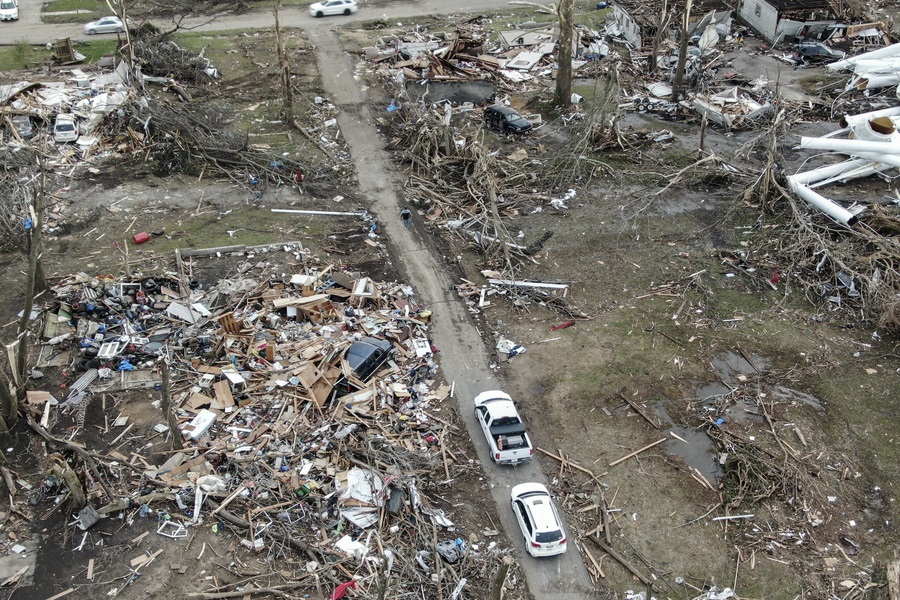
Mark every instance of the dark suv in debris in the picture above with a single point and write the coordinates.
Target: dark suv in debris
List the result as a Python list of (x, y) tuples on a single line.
[(502, 118)]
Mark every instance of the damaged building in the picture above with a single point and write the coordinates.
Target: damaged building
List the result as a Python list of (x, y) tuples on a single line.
[(780, 20)]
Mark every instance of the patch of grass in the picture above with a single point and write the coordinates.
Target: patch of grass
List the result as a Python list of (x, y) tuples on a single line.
[(812, 84), (75, 11), (215, 47), (248, 226), (586, 13), (95, 49), (67, 5), (21, 55), (21, 51)]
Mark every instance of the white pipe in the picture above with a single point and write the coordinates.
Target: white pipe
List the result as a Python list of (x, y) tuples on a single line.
[(892, 50), (870, 168), (850, 146), (828, 171), (875, 65), (328, 213), (868, 81), (851, 120), (887, 159), (836, 212)]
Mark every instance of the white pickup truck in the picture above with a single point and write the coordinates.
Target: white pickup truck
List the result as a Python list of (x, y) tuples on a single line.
[(503, 428)]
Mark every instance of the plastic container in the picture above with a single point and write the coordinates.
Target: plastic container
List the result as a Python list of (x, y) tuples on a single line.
[(140, 238)]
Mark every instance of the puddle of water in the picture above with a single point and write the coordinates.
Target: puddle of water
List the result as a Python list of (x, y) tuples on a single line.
[(786, 394), (709, 394), (731, 364), (696, 451)]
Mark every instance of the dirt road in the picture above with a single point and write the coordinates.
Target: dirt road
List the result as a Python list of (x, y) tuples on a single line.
[(462, 353)]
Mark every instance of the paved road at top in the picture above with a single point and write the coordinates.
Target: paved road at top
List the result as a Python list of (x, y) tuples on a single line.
[(462, 357), (29, 27)]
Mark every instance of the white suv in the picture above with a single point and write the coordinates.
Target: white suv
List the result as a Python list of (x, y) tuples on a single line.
[(9, 10), (65, 129), (538, 520)]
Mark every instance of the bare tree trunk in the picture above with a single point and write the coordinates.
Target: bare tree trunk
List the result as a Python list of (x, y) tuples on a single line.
[(661, 23), (678, 86), (564, 75), (9, 404), (20, 373), (126, 51), (166, 405), (287, 96)]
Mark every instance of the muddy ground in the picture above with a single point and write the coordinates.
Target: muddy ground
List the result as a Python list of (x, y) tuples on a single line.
[(701, 354)]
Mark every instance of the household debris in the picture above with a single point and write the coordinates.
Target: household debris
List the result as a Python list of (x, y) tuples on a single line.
[(288, 427)]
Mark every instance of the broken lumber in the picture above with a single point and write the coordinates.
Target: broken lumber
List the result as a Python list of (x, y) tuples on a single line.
[(636, 452), (569, 463), (603, 546)]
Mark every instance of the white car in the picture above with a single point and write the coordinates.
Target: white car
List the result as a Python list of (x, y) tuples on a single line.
[(538, 520), (9, 10), (65, 129), (105, 25), (333, 7)]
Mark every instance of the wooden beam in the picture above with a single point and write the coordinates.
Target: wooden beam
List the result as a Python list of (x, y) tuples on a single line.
[(636, 452)]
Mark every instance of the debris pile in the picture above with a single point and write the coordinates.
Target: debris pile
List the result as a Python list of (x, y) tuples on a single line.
[(134, 126), (303, 407), (516, 61)]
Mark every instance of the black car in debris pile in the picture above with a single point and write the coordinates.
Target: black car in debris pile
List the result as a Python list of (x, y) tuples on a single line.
[(502, 118), (367, 355)]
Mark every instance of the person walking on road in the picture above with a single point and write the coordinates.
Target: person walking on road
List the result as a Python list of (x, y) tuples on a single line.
[(406, 215)]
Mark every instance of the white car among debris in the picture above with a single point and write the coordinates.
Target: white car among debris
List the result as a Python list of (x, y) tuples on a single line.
[(9, 10), (65, 129), (333, 7), (105, 25), (503, 428), (538, 520)]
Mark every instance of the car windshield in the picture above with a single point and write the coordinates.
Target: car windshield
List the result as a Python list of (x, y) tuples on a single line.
[(65, 127), (4, 5), (517, 120)]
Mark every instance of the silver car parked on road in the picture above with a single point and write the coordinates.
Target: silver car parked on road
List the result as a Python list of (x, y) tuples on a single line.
[(105, 25)]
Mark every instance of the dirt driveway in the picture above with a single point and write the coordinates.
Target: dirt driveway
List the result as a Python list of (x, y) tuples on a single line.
[(463, 359)]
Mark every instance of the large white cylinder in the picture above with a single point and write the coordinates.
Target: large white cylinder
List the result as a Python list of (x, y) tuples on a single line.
[(828, 171), (850, 146), (833, 210), (847, 63), (851, 120)]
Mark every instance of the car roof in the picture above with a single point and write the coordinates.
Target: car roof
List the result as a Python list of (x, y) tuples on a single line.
[(542, 513), (501, 408), (539, 504), (492, 395)]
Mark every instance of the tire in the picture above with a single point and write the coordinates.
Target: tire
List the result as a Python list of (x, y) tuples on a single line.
[(347, 11), (91, 31), (320, 14)]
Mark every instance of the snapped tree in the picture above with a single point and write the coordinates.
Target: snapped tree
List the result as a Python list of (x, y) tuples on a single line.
[(22, 219), (564, 73)]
